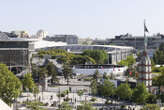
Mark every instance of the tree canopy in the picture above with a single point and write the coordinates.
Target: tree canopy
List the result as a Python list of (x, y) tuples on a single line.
[(28, 82), (106, 89), (85, 106), (100, 56), (67, 72), (124, 91), (96, 75), (65, 57), (80, 92), (65, 106), (61, 55), (140, 94), (43, 72), (158, 56), (79, 59), (128, 62), (52, 71), (10, 85), (151, 107), (94, 89), (159, 80)]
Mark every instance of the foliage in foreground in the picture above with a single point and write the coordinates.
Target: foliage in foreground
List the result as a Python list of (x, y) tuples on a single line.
[(124, 91), (28, 82), (106, 89), (85, 106), (10, 85), (34, 105), (140, 94), (151, 107), (65, 106)]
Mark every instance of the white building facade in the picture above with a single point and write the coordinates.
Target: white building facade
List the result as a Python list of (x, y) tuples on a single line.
[(90, 69)]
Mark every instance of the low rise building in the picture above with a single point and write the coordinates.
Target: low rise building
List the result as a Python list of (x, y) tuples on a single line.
[(137, 42), (134, 41)]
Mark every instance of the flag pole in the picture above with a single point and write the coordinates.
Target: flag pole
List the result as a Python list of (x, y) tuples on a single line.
[(144, 37)]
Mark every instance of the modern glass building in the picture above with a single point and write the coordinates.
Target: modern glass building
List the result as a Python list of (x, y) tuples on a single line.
[(16, 53)]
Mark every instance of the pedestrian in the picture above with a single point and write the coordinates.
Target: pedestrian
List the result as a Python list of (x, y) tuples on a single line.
[(39, 98), (75, 100), (51, 98)]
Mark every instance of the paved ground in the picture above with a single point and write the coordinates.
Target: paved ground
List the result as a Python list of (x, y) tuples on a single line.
[(50, 95)]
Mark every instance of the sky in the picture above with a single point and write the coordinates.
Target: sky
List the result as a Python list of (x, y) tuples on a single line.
[(85, 18)]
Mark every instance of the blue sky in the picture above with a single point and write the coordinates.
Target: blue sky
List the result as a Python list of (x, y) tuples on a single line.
[(86, 18)]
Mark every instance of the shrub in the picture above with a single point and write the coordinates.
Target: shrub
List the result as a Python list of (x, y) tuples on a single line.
[(93, 99)]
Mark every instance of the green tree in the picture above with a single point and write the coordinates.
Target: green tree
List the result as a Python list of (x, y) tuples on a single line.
[(85, 106), (151, 99), (151, 107), (80, 93), (28, 82), (158, 56), (93, 87), (43, 73), (10, 85), (80, 59), (61, 55), (35, 91), (140, 94), (35, 71), (63, 59), (96, 75), (100, 56), (129, 61), (65, 106), (106, 89), (124, 91), (67, 72), (34, 105), (52, 71), (105, 76), (159, 80)]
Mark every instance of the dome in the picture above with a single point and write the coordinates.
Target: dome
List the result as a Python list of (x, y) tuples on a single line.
[(41, 34)]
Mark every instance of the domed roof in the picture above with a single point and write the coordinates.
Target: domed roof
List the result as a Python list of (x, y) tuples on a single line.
[(41, 34), (41, 31)]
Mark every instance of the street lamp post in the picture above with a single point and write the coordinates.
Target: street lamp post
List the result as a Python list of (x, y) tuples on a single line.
[(59, 99)]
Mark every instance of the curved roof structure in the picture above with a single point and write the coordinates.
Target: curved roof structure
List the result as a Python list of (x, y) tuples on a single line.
[(38, 43), (44, 44), (76, 48)]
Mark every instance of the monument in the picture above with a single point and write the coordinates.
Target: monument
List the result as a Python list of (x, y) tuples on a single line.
[(144, 66)]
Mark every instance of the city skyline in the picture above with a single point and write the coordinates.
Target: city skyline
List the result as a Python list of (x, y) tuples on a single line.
[(94, 18)]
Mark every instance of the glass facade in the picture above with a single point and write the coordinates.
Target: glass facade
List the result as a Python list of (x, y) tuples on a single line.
[(13, 44), (14, 57)]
